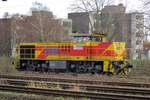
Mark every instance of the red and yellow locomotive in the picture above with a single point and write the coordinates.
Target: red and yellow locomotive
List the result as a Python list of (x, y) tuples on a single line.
[(85, 57)]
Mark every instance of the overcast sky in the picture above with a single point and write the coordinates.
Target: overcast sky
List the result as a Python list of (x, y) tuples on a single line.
[(58, 7)]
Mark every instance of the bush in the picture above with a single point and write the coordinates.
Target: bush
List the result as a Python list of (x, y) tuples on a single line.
[(6, 65), (141, 68)]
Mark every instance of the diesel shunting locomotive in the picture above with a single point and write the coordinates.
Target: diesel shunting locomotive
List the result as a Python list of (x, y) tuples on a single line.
[(95, 55)]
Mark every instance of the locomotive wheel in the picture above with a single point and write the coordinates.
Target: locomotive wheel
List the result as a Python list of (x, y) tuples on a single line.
[(98, 68), (73, 68), (81, 69)]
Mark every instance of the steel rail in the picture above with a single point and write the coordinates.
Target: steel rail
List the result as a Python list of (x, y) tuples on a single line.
[(85, 87), (83, 81), (95, 95)]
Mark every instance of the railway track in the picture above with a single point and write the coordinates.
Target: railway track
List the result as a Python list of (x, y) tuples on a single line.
[(76, 88), (87, 94), (81, 87), (70, 80)]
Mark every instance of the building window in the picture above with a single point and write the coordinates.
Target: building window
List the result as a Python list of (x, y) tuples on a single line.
[(138, 42), (138, 17), (137, 51), (139, 34), (66, 24), (139, 25)]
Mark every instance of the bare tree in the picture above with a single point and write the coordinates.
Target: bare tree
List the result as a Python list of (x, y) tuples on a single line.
[(146, 12), (5, 36), (41, 26), (28, 29), (146, 4), (40, 8), (92, 7)]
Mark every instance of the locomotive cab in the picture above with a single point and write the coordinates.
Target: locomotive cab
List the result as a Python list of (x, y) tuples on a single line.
[(96, 37)]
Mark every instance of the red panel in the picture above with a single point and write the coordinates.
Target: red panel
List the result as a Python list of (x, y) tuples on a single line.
[(110, 53), (75, 51), (100, 49)]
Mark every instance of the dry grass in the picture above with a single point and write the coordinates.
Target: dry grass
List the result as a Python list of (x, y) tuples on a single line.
[(6, 65), (23, 96), (37, 84), (141, 69), (19, 96)]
